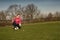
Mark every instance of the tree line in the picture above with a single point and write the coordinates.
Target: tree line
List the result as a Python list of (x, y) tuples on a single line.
[(28, 13)]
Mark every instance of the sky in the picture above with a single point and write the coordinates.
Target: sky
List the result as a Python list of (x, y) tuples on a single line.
[(45, 6)]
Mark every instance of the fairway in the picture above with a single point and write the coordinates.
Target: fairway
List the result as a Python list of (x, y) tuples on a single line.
[(32, 31)]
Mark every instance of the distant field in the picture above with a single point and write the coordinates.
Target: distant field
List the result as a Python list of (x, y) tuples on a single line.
[(33, 31)]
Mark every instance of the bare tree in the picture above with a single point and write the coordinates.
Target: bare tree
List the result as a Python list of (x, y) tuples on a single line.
[(13, 10), (2, 16), (57, 16), (30, 9), (49, 17)]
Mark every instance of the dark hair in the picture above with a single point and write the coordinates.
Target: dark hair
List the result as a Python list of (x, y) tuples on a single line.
[(18, 14)]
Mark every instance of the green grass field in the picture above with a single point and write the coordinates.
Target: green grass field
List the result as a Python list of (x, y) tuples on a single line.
[(32, 31)]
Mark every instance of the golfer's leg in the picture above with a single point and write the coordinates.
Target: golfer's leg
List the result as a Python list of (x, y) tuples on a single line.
[(18, 26), (14, 24)]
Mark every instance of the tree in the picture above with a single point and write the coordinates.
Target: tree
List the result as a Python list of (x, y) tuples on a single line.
[(13, 10), (50, 16), (2, 16), (30, 9), (57, 16)]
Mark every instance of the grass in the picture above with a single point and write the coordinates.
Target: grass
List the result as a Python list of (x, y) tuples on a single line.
[(32, 31)]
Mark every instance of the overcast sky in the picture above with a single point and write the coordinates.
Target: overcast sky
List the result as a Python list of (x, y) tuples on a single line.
[(44, 6)]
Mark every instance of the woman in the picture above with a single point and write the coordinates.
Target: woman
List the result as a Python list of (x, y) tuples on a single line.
[(17, 21)]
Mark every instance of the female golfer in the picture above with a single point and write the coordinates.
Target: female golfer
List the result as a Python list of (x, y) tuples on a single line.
[(17, 22)]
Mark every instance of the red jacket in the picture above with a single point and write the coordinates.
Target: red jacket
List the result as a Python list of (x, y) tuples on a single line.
[(17, 20)]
